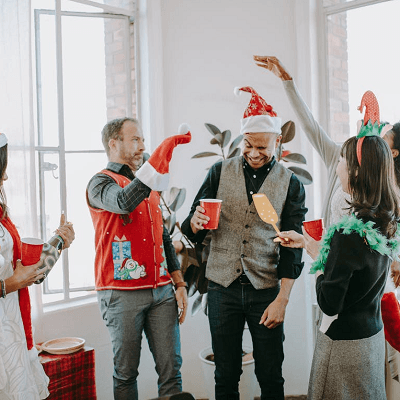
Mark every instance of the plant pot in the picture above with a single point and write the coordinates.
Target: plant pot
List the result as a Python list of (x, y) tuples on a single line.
[(248, 385)]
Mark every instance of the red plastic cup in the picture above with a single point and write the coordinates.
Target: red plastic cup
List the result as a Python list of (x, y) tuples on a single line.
[(212, 209), (314, 228), (31, 250)]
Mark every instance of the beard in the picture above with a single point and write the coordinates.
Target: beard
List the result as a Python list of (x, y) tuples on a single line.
[(137, 161), (134, 161)]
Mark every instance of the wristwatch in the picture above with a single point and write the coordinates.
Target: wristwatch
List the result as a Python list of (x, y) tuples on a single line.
[(180, 284)]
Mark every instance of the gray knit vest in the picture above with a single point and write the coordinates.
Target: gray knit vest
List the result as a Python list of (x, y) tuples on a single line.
[(243, 242)]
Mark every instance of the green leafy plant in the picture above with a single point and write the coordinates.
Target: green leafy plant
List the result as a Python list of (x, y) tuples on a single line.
[(288, 134), (221, 139)]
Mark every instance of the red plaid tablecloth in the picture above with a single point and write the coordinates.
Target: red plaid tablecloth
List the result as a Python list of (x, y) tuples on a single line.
[(72, 376)]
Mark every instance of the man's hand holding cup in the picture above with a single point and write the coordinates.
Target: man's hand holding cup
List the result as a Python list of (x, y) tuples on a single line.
[(198, 220)]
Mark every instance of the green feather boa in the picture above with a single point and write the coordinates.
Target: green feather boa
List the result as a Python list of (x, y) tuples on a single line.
[(370, 129), (350, 224)]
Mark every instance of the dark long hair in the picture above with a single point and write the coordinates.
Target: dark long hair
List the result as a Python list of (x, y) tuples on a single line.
[(372, 185), (3, 167), (395, 132)]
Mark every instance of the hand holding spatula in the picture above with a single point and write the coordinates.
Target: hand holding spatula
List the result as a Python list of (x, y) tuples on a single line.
[(266, 211)]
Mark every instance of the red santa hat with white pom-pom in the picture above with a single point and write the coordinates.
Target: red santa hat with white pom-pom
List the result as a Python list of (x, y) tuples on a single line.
[(259, 115), (155, 171)]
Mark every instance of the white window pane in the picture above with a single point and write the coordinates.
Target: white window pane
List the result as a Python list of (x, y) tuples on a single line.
[(47, 84), (374, 59), (361, 59), (328, 3), (73, 6), (85, 111), (80, 168)]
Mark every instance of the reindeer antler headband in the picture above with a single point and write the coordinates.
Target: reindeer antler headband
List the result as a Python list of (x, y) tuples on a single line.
[(370, 125)]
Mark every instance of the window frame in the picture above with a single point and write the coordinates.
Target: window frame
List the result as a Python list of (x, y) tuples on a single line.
[(323, 14), (41, 150)]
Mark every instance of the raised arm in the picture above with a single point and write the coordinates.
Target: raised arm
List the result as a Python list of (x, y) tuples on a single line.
[(319, 139)]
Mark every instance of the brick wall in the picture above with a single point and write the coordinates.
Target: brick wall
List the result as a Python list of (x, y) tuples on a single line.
[(339, 128), (117, 74)]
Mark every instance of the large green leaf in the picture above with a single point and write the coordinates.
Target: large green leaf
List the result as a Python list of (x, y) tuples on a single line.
[(204, 303), (213, 129), (279, 150), (196, 307), (179, 198), (205, 154), (226, 137), (288, 131), (190, 277), (235, 144), (235, 153), (295, 157), (219, 138), (170, 223), (205, 253), (304, 176)]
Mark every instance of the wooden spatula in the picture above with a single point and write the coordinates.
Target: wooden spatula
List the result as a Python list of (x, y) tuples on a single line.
[(265, 210)]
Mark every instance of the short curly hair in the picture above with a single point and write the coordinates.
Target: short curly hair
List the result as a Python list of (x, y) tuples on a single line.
[(112, 130)]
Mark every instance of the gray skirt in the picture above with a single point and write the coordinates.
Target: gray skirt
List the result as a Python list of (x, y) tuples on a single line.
[(348, 369)]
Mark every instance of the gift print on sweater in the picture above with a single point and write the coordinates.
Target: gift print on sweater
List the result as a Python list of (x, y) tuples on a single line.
[(125, 267)]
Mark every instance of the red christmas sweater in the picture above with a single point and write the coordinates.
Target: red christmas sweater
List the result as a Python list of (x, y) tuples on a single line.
[(129, 248)]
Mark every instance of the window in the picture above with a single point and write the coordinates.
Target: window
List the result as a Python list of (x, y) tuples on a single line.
[(83, 68), (362, 39)]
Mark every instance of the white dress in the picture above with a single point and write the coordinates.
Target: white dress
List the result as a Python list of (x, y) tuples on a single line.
[(21, 375)]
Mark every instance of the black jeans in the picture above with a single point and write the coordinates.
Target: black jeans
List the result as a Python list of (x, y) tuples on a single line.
[(228, 309)]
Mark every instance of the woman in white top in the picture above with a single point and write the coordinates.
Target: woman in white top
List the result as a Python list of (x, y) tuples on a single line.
[(21, 374)]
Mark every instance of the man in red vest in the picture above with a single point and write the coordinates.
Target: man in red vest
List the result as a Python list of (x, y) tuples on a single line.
[(137, 275)]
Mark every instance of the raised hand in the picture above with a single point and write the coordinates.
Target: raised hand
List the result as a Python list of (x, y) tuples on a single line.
[(66, 231), (273, 65)]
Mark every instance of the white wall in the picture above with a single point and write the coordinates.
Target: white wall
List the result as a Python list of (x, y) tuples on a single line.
[(198, 52)]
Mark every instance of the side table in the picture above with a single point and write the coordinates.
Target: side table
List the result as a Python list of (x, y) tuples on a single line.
[(72, 376)]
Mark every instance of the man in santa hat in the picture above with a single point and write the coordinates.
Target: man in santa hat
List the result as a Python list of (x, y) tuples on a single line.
[(124, 205), (250, 277)]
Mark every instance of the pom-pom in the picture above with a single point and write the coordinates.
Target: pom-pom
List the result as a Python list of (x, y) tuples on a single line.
[(236, 90), (183, 129)]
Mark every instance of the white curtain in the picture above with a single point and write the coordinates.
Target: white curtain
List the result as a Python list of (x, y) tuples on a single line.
[(16, 119)]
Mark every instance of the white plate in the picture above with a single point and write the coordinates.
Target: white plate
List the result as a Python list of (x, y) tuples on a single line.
[(65, 345)]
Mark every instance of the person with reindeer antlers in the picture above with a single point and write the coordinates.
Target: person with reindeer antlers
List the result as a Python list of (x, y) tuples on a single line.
[(352, 268)]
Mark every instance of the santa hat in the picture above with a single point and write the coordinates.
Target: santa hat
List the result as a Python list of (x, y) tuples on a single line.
[(258, 116), (155, 171), (370, 125)]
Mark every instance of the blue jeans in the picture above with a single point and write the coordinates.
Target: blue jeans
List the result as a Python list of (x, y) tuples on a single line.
[(228, 309), (127, 313)]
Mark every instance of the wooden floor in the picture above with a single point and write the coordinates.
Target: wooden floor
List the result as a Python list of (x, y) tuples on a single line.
[(300, 397)]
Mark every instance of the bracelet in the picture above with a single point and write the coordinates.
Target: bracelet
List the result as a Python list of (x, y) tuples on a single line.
[(180, 284), (3, 288)]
